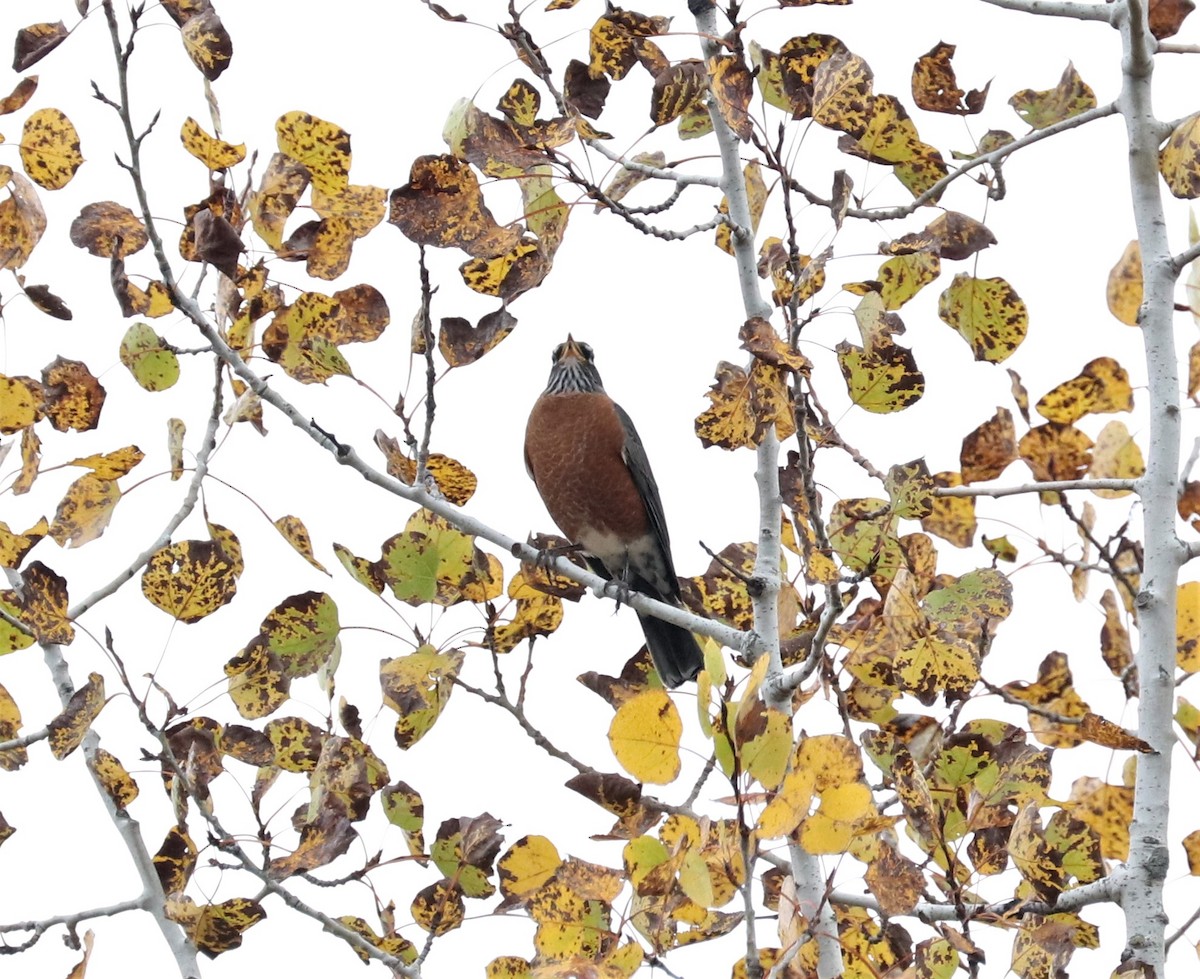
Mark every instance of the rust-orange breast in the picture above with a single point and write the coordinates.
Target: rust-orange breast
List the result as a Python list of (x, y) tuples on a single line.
[(573, 447)]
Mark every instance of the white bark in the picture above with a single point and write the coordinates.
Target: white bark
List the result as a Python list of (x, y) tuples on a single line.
[(1145, 872)]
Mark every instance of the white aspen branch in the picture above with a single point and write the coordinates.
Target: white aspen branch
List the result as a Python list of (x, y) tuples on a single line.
[(1050, 486), (1185, 258), (656, 173), (152, 900), (806, 868), (1141, 884), (72, 920), (1104, 890), (985, 159), (1054, 8), (24, 742)]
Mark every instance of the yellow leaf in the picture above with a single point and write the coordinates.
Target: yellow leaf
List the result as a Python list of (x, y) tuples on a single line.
[(296, 534), (1124, 290), (111, 774), (85, 510), (1069, 98), (527, 865), (112, 465), (1116, 456), (213, 153), (322, 147), (841, 94), (417, 687), (756, 196), (50, 149), (22, 222), (439, 907), (1178, 160), (20, 403), (189, 580), (150, 359), (402, 948), (645, 736), (1191, 845), (1187, 627), (987, 313)]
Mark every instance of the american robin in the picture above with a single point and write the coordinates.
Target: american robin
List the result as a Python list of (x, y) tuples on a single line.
[(591, 470)]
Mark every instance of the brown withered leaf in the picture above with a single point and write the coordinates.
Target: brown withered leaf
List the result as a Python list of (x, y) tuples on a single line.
[(1055, 451), (760, 339), (935, 87), (745, 404), (584, 92), (19, 95), (441, 205), (1105, 733), (35, 42), (987, 451), (73, 398), (895, 880), (461, 343), (454, 480), (46, 301), (675, 91), (620, 796), (175, 860), (107, 228), (69, 727), (951, 235), (511, 274), (22, 222), (616, 42), (214, 928), (222, 203), (44, 595), (217, 243), (732, 86), (207, 42), (1167, 16), (1020, 395)]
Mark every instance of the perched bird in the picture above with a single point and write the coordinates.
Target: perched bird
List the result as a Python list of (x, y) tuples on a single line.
[(591, 470)]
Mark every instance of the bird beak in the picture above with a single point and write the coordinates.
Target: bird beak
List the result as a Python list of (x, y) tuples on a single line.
[(571, 349)]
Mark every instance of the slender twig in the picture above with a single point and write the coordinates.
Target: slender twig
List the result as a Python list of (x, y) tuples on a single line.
[(190, 498), (1050, 486)]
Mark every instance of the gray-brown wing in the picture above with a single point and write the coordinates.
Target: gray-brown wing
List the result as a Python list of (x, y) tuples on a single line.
[(643, 478)]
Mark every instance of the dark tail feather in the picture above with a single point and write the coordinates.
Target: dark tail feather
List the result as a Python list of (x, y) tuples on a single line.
[(675, 652)]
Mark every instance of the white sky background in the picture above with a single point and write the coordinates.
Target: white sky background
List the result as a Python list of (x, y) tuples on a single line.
[(660, 316)]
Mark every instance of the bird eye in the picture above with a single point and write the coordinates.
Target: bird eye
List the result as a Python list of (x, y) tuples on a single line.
[(558, 352), (587, 351)]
